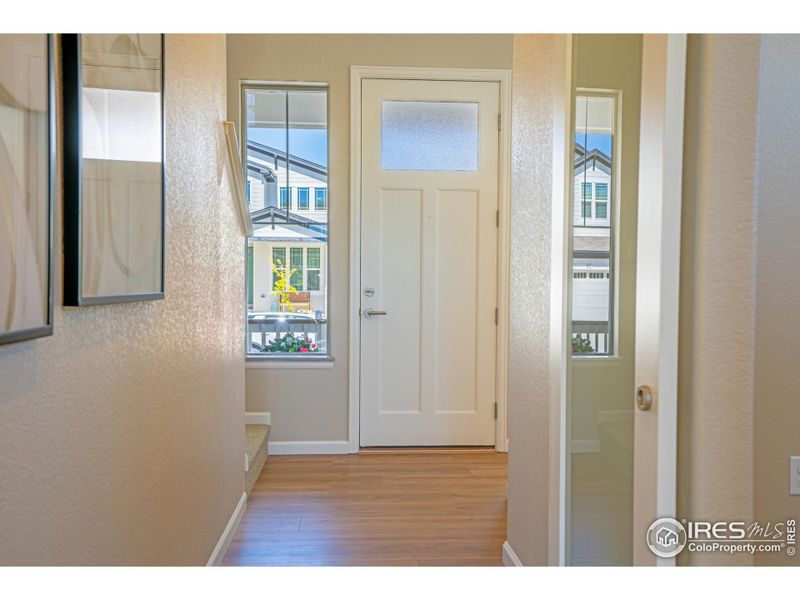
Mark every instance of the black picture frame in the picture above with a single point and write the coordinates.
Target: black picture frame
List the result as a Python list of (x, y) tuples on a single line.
[(46, 329), (72, 89)]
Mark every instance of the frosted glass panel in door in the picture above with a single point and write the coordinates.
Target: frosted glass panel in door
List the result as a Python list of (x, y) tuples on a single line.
[(429, 136)]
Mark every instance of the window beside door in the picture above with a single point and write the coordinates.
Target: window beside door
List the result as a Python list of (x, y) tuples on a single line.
[(286, 149)]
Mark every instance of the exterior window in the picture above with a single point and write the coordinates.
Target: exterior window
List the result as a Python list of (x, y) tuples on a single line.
[(593, 284), (296, 268), (278, 264), (302, 198), (285, 134), (313, 266), (601, 192), (601, 201), (248, 192), (320, 199)]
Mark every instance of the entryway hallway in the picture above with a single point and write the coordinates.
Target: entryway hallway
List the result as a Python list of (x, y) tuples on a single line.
[(381, 508)]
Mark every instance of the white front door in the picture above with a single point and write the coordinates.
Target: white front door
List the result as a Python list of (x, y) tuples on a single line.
[(428, 276)]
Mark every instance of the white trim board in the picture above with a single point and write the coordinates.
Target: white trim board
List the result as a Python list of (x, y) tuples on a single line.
[(503, 77), (560, 309), (287, 364), (324, 447), (510, 558), (257, 418), (227, 534)]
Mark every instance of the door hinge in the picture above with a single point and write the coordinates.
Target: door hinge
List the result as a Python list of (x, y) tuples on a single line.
[(499, 122), (496, 315), (495, 411), (497, 219)]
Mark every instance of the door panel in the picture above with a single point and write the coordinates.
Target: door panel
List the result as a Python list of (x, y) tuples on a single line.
[(456, 277), (620, 460), (429, 262), (398, 235)]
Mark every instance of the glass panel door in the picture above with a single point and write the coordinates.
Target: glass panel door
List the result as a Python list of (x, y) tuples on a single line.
[(602, 298)]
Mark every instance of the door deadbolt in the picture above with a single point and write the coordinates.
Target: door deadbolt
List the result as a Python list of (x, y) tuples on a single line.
[(644, 397), (369, 292)]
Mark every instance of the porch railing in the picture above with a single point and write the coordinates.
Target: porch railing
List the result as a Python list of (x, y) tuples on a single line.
[(265, 327), (593, 332)]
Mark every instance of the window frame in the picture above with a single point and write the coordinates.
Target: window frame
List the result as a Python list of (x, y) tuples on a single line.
[(267, 360), (324, 198), (299, 270), (596, 200), (612, 216), (307, 191), (309, 268)]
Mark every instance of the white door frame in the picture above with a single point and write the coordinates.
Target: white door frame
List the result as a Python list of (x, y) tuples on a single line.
[(503, 77), (660, 181), (658, 273)]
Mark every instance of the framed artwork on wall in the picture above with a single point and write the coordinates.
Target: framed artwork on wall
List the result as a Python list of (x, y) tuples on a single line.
[(27, 167), (114, 210)]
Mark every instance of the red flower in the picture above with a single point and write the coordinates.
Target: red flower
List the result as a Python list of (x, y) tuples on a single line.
[(303, 349)]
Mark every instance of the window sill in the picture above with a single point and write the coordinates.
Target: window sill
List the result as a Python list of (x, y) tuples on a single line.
[(323, 362), (601, 359)]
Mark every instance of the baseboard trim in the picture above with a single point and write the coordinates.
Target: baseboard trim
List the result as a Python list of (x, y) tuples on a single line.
[(227, 534), (510, 558), (279, 448), (257, 418), (584, 446)]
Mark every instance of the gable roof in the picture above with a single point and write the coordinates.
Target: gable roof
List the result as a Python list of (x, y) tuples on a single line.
[(278, 157), (272, 215), (594, 159)]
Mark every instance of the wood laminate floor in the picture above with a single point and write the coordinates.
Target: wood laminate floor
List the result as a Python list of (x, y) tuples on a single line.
[(376, 508)]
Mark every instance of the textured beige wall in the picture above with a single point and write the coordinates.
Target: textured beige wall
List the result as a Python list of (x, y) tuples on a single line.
[(777, 378), (311, 404), (715, 404), (738, 415), (529, 360), (121, 436)]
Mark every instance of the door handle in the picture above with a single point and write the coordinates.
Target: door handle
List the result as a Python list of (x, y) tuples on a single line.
[(644, 397), (370, 312)]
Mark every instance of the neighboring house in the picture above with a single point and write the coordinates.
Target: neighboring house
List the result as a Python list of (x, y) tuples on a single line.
[(289, 209), (592, 234)]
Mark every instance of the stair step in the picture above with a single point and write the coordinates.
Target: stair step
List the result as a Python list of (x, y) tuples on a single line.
[(255, 437)]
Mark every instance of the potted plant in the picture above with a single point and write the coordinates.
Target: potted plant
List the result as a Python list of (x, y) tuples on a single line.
[(290, 343)]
